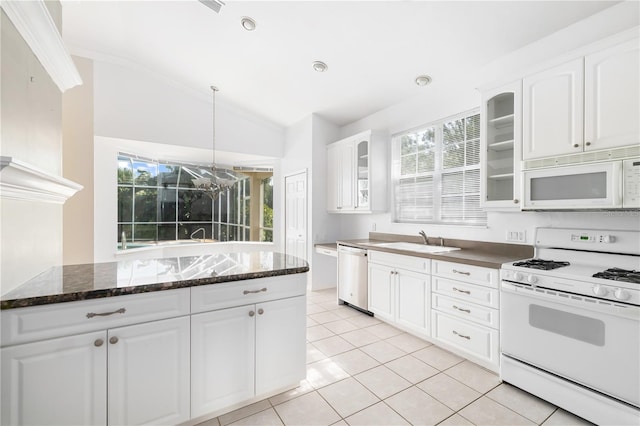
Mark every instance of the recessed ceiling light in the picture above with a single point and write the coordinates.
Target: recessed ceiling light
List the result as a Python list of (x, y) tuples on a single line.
[(248, 23), (423, 80), (320, 66)]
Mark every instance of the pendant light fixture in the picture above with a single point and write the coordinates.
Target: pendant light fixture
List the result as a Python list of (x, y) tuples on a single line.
[(214, 185)]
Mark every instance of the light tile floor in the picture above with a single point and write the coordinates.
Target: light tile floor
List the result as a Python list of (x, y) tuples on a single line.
[(361, 371)]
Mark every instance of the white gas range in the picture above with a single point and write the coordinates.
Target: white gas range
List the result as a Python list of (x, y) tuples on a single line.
[(570, 323)]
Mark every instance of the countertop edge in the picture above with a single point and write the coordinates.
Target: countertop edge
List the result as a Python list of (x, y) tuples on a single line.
[(121, 291), (464, 256)]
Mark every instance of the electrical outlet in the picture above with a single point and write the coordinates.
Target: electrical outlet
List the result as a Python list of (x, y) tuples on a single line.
[(517, 236), (373, 226)]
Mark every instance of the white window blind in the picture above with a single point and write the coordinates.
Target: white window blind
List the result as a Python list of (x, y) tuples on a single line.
[(437, 172)]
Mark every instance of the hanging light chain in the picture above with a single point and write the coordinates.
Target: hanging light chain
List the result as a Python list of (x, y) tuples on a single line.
[(214, 89)]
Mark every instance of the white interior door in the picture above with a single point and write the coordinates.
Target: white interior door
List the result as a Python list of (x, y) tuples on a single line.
[(296, 215)]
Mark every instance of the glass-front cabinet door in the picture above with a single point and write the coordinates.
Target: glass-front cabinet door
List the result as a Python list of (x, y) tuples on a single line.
[(501, 147), (362, 159)]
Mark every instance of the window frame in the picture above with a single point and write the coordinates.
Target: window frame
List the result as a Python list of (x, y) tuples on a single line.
[(437, 174)]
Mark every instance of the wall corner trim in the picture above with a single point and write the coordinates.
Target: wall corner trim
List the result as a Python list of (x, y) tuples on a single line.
[(36, 26), (22, 181)]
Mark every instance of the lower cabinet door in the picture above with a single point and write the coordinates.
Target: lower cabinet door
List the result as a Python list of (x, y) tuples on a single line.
[(381, 291), (413, 307), (149, 373), (222, 358), (56, 382), (280, 344)]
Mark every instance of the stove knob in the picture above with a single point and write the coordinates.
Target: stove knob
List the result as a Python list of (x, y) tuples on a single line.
[(518, 276), (620, 294), (599, 290), (532, 279)]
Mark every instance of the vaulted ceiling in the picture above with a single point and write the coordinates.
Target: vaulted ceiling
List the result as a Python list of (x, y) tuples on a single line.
[(374, 49)]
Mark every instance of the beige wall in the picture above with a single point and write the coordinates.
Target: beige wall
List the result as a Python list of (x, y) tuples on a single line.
[(77, 165), (30, 113)]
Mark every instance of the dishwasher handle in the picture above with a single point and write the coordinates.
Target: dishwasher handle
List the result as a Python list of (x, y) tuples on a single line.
[(352, 250)]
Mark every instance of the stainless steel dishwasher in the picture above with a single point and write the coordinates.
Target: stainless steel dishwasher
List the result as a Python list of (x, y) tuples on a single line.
[(352, 277)]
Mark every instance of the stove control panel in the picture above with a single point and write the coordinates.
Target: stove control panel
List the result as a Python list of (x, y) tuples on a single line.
[(614, 292), (593, 238)]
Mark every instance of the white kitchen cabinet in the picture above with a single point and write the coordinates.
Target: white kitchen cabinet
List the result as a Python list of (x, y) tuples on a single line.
[(140, 369), (612, 104), (241, 352), (399, 295), (357, 174), (501, 147), (60, 381), (280, 358), (148, 373), (588, 104), (222, 358), (465, 311), (553, 102)]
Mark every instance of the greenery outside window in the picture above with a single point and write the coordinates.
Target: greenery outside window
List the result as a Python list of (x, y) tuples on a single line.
[(436, 172), (158, 202)]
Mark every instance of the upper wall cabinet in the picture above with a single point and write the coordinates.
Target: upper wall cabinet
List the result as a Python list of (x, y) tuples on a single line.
[(587, 104), (357, 174), (501, 147)]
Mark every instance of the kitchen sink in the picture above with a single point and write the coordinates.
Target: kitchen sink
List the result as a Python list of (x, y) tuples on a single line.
[(420, 248)]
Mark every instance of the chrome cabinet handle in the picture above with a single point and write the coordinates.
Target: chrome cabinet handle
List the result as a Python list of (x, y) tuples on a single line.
[(461, 272), (254, 291), (516, 201), (106, 314), (260, 311), (575, 145), (98, 343), (113, 340), (588, 144), (251, 313), (462, 310), (462, 291), (461, 335)]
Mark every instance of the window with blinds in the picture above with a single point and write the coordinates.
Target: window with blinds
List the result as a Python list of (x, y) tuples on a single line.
[(437, 173)]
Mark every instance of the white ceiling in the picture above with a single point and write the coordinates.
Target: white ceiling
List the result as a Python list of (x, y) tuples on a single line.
[(374, 50)]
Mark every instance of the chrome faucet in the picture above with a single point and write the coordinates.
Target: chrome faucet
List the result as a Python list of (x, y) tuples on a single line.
[(204, 234), (123, 240), (424, 237)]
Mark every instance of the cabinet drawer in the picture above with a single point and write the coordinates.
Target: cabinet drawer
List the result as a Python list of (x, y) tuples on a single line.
[(412, 263), (478, 341), (238, 293), (63, 319), (467, 273), (469, 311), (466, 292)]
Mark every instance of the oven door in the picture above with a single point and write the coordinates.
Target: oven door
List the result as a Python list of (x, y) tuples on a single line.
[(591, 342)]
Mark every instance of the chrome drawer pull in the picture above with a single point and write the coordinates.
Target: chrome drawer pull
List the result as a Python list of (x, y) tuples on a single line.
[(254, 291), (462, 291), (462, 310), (106, 314), (455, 271), (461, 335)]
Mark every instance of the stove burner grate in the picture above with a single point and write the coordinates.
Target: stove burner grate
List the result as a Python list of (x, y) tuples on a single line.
[(619, 274), (547, 265)]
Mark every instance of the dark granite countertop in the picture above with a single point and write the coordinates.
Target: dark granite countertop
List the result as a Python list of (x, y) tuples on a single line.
[(477, 253), (95, 280)]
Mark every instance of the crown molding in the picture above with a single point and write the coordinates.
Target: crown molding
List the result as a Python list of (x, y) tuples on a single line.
[(22, 181), (37, 28)]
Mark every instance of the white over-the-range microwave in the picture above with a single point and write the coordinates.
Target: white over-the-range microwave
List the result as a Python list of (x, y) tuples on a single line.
[(605, 185)]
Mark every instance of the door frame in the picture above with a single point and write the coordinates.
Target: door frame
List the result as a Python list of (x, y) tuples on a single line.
[(304, 172)]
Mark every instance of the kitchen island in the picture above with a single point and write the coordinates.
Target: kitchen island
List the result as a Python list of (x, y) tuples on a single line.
[(162, 341)]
